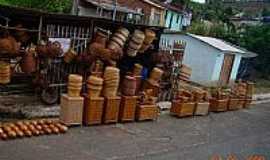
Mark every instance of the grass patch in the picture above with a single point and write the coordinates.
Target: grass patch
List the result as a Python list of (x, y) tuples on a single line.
[(262, 86)]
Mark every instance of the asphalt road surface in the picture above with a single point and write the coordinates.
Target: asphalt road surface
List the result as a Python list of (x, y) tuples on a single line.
[(243, 133)]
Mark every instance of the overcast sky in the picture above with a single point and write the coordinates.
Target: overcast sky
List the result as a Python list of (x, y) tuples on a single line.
[(201, 1)]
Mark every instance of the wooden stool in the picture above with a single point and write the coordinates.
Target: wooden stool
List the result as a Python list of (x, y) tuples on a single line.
[(234, 104), (201, 108), (93, 110), (146, 112), (111, 109), (128, 108), (71, 110), (182, 109), (218, 105)]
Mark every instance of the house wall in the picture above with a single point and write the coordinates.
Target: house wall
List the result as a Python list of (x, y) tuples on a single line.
[(199, 56), (147, 9), (172, 22)]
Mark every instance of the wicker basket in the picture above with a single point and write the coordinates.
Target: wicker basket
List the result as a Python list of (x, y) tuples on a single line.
[(111, 110), (218, 105), (201, 108), (127, 108), (5, 73), (181, 109), (146, 112), (93, 110), (71, 110)]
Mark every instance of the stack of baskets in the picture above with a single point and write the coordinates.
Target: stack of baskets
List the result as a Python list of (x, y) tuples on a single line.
[(129, 86), (5, 73), (74, 85), (135, 43), (94, 86), (149, 38), (111, 81), (118, 40)]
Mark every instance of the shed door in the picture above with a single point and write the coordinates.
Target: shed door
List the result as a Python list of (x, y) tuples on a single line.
[(226, 70)]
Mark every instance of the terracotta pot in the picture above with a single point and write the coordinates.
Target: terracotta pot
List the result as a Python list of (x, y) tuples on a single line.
[(9, 45), (28, 63)]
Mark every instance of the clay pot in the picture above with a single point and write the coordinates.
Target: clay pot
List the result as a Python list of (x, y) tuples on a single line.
[(28, 63), (9, 45), (99, 51), (5, 73), (70, 55)]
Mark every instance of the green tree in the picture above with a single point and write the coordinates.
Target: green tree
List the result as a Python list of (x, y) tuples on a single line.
[(46, 5), (257, 39)]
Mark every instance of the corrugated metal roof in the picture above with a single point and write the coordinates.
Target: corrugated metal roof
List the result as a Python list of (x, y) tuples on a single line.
[(223, 46)]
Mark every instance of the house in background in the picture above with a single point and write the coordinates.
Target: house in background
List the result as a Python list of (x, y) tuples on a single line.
[(153, 11), (104, 9), (213, 61)]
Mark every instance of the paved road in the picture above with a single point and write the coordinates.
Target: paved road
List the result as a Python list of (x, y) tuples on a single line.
[(242, 132)]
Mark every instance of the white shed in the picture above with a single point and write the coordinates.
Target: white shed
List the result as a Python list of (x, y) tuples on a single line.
[(213, 61)]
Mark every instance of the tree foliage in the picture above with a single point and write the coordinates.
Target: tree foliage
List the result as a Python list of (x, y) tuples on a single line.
[(257, 39), (63, 6)]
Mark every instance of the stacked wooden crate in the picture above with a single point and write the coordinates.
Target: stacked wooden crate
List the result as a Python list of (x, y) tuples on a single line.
[(183, 105), (219, 100), (201, 98), (72, 103), (241, 95)]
